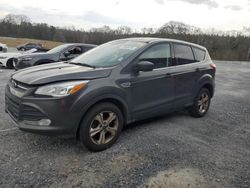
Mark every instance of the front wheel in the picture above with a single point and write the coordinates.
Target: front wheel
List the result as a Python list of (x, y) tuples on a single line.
[(101, 127), (201, 103)]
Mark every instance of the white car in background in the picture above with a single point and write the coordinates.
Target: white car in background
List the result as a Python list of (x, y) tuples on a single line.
[(7, 59), (3, 47)]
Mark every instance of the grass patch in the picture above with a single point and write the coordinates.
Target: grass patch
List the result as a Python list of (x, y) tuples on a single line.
[(13, 42)]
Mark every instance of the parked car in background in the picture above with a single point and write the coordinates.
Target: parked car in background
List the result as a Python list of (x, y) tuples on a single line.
[(62, 52), (94, 95), (7, 59), (3, 47), (29, 46)]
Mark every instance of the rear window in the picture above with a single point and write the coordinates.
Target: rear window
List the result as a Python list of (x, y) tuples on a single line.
[(199, 54), (183, 54)]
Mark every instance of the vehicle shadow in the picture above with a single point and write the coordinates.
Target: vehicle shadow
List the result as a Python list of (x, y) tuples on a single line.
[(149, 121), (60, 144)]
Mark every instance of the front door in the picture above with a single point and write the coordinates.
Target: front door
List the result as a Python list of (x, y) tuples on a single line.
[(152, 93)]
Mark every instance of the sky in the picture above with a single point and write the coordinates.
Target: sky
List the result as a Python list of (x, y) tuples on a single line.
[(206, 14)]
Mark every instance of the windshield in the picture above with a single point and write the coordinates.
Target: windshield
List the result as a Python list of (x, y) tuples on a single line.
[(57, 49), (109, 54)]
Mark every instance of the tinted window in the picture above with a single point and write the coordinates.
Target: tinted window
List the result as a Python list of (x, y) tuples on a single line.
[(199, 54), (29, 45), (183, 54), (159, 55), (75, 50)]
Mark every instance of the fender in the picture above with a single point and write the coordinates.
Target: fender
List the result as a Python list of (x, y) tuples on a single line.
[(206, 79), (43, 61)]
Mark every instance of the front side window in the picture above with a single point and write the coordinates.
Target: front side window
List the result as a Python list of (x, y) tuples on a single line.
[(183, 54), (199, 54), (75, 50), (109, 54), (159, 55), (30, 45)]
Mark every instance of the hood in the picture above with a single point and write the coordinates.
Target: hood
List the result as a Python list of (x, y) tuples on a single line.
[(44, 74), (17, 54), (10, 54)]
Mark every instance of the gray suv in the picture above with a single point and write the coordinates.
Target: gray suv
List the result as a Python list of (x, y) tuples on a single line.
[(94, 95)]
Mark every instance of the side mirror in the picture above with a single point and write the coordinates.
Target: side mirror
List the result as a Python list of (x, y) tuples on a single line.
[(66, 54), (144, 66)]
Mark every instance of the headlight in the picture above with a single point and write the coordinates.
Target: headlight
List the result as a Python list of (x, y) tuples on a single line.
[(25, 59), (61, 89), (3, 57)]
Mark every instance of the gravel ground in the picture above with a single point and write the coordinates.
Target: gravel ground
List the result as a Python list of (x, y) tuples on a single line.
[(172, 151)]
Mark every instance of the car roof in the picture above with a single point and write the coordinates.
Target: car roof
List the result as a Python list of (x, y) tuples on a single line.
[(80, 44), (156, 40)]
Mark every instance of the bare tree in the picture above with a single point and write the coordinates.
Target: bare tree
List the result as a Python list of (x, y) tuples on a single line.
[(16, 19)]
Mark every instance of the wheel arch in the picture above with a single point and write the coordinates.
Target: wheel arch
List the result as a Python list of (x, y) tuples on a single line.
[(207, 81), (120, 103), (8, 63), (210, 88)]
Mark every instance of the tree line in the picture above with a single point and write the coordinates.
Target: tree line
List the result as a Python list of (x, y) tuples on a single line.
[(222, 46)]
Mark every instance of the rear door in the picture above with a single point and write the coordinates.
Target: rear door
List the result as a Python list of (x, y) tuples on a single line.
[(186, 74), (152, 93)]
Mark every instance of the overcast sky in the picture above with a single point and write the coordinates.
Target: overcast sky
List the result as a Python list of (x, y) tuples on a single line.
[(219, 14)]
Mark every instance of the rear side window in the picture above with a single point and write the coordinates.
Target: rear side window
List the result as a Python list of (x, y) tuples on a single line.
[(159, 54), (199, 54), (183, 54)]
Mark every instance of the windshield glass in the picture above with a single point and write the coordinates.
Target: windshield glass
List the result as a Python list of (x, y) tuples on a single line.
[(57, 49), (109, 54)]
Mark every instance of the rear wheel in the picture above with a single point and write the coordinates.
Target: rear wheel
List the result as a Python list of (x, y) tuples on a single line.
[(201, 103), (101, 127)]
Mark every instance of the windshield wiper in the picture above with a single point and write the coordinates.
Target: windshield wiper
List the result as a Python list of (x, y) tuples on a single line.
[(82, 64)]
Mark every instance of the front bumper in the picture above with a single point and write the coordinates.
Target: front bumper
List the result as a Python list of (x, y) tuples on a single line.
[(29, 112)]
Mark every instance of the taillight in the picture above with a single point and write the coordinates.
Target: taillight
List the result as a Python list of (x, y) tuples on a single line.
[(213, 66)]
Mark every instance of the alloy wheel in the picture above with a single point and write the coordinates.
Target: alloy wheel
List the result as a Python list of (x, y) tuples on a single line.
[(104, 127), (203, 102)]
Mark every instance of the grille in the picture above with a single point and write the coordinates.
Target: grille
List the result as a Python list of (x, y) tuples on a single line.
[(19, 85), (13, 107), (23, 112), (31, 114)]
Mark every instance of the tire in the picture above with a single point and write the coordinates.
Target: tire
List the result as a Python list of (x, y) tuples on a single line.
[(201, 104), (10, 64), (109, 131)]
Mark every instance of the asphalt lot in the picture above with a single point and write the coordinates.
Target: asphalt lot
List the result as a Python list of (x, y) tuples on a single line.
[(172, 151)]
